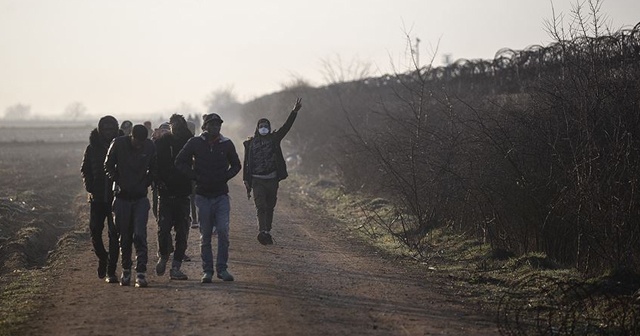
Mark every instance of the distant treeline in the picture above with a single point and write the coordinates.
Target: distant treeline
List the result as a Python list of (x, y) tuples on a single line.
[(534, 151)]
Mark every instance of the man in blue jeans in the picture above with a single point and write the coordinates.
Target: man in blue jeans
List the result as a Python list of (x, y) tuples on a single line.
[(211, 160), (130, 163)]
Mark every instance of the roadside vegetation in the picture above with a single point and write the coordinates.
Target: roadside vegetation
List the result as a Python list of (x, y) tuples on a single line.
[(517, 176)]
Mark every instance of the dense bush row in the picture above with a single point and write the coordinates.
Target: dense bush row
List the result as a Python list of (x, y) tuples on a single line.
[(536, 150)]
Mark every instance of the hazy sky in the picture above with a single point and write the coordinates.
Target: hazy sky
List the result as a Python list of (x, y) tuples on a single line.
[(147, 56)]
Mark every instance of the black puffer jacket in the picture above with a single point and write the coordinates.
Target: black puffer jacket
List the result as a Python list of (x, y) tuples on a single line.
[(210, 163), (172, 182), (131, 169), (93, 175)]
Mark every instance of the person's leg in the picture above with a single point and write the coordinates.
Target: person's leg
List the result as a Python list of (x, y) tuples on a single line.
[(271, 200), (98, 213), (206, 227), (260, 200), (140, 217), (222, 208), (181, 226), (114, 245), (123, 222), (165, 219)]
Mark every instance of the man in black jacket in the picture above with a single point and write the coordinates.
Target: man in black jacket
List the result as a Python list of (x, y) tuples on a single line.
[(264, 168), (129, 163), (100, 196), (211, 160), (174, 189)]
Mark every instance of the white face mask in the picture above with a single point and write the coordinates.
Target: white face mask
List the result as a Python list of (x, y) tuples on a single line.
[(263, 131)]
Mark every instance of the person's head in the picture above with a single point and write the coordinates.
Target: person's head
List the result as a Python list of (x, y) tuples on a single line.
[(138, 136), (212, 123), (108, 128), (263, 127), (178, 124), (126, 127)]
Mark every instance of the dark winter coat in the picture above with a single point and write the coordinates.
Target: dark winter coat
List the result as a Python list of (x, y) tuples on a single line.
[(275, 140), (210, 164), (131, 169), (93, 175), (172, 182)]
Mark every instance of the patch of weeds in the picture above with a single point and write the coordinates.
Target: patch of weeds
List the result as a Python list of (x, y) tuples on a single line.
[(21, 299)]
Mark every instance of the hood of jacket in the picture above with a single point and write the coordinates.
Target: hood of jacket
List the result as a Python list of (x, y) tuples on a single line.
[(95, 140), (262, 120)]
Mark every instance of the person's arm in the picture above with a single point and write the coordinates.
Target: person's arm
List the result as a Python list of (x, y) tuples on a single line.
[(246, 173), (86, 170), (234, 162), (184, 159), (111, 161), (282, 131)]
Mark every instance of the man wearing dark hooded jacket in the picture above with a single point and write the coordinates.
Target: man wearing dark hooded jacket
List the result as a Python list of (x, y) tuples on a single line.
[(130, 163), (211, 160), (264, 168), (100, 196), (174, 189)]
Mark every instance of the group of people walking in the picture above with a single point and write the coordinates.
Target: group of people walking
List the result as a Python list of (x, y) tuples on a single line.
[(119, 166)]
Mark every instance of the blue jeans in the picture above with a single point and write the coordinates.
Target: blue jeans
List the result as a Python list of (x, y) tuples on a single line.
[(214, 212), (131, 221)]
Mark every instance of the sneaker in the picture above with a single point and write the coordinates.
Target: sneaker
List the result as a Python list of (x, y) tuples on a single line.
[(102, 268), (176, 274), (225, 276), (161, 266), (186, 258), (125, 279), (206, 277), (111, 278), (141, 280), (195, 225)]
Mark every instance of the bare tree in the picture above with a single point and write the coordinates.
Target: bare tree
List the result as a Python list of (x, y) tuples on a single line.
[(334, 70), (17, 112), (75, 111)]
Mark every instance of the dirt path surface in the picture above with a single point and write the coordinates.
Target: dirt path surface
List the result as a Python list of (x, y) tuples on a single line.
[(315, 280)]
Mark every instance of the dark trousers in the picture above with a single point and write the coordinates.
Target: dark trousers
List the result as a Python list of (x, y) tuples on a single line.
[(173, 213), (99, 212), (265, 196), (131, 218)]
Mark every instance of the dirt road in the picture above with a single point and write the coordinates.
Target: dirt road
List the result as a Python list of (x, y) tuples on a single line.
[(314, 281)]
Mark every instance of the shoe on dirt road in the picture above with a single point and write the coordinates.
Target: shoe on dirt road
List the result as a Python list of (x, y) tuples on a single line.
[(176, 274), (161, 266), (265, 238), (206, 277), (102, 268), (141, 280), (111, 278), (125, 279), (225, 276)]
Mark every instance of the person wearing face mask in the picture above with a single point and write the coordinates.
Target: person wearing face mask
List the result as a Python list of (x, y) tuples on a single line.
[(211, 160), (100, 196), (264, 167)]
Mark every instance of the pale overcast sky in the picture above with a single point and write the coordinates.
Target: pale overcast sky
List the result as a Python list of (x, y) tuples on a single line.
[(146, 56)]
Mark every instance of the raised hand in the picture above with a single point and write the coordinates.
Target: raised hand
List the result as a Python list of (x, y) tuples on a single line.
[(298, 105)]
